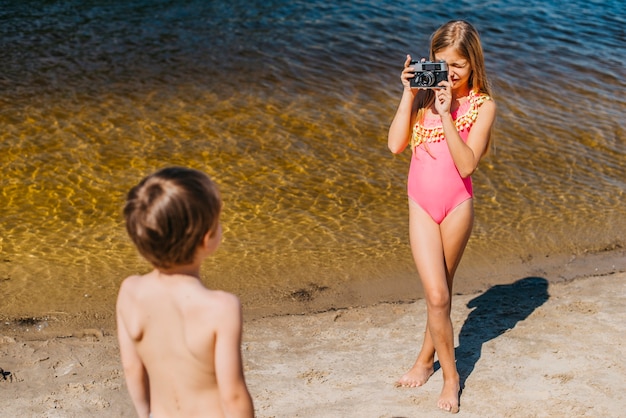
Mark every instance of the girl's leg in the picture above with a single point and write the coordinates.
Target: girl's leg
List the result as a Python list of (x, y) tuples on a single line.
[(456, 229), (437, 250), (455, 232), (427, 250)]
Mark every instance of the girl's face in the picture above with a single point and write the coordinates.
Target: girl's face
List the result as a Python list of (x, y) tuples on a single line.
[(459, 68)]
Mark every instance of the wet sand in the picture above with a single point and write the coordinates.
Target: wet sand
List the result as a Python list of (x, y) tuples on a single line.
[(532, 348)]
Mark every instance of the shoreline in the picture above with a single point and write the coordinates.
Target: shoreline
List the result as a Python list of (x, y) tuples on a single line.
[(529, 348), (315, 299), (405, 286)]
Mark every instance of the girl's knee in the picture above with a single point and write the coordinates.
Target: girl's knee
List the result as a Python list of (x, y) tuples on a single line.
[(438, 301)]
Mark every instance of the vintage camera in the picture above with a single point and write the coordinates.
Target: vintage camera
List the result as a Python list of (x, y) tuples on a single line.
[(428, 74)]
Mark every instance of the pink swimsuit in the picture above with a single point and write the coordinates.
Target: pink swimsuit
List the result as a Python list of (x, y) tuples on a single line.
[(434, 182)]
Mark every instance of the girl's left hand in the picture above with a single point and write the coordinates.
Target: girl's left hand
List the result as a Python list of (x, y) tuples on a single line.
[(443, 97)]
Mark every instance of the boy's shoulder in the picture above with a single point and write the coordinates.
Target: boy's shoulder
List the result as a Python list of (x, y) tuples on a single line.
[(134, 285), (131, 283), (209, 311), (206, 308), (137, 278), (216, 303), (185, 286)]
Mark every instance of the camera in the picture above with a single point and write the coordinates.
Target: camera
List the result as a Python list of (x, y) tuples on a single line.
[(428, 74)]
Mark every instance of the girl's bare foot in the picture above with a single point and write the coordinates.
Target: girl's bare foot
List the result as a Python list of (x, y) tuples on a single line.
[(449, 399), (417, 376)]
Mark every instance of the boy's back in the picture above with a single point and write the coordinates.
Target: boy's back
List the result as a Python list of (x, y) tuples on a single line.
[(179, 341), (173, 322)]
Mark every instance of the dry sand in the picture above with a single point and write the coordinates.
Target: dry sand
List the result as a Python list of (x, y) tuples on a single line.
[(528, 349)]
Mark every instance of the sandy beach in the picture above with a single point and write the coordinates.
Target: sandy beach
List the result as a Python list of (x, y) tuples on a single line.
[(287, 105), (531, 348)]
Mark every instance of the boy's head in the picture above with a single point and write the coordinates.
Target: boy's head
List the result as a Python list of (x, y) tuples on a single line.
[(169, 213)]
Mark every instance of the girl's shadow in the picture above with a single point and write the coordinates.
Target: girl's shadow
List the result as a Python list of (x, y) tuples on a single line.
[(496, 311)]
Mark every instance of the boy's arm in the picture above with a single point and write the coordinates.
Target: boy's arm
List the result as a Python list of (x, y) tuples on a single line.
[(228, 363), (134, 370)]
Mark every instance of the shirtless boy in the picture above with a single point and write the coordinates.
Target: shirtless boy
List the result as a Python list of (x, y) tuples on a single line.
[(180, 342)]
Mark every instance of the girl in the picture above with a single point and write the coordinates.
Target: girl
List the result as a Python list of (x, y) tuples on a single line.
[(448, 129)]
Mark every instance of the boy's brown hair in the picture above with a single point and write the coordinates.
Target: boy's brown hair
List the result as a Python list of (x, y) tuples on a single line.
[(169, 213)]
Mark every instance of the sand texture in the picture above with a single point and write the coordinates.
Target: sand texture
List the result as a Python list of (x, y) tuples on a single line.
[(528, 349)]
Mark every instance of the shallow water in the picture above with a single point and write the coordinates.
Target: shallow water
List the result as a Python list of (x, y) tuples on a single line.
[(286, 104)]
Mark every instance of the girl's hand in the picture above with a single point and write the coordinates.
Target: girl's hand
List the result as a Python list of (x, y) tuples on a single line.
[(407, 73), (443, 97)]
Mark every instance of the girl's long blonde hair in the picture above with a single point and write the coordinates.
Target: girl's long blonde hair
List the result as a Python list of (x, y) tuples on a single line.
[(464, 38)]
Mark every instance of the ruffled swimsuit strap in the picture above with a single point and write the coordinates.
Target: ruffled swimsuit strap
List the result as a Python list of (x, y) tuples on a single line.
[(434, 133)]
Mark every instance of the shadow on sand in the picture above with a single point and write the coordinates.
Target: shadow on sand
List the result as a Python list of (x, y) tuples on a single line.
[(496, 311)]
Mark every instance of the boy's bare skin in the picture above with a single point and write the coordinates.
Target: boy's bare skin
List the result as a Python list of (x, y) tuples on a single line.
[(178, 339)]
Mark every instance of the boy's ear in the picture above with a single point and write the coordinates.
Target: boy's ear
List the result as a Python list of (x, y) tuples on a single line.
[(207, 239), (211, 240)]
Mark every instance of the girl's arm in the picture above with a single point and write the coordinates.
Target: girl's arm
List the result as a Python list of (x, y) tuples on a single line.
[(400, 129), (466, 155)]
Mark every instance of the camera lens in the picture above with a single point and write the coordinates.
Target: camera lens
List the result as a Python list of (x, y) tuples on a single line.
[(425, 79)]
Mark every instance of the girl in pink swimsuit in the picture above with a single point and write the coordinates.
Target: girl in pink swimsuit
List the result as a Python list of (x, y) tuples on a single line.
[(448, 129), (434, 181)]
